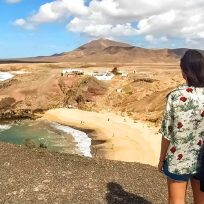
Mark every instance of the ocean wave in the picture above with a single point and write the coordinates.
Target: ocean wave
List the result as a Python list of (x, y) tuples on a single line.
[(4, 127), (82, 139), (5, 76)]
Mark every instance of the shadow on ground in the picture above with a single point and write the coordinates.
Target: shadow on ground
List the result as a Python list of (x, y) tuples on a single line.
[(117, 195)]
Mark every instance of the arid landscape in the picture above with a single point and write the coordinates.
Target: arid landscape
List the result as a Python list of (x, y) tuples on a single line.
[(139, 94), (142, 93), (84, 116), (122, 116)]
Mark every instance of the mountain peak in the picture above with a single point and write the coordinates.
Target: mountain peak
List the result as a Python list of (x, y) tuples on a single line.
[(101, 44), (108, 51)]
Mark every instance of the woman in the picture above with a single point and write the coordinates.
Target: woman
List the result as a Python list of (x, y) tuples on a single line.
[(183, 131)]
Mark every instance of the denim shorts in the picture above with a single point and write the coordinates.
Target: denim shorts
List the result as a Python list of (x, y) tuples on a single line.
[(178, 177)]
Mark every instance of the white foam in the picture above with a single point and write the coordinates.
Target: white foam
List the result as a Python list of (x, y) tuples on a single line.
[(82, 139), (4, 127), (5, 76)]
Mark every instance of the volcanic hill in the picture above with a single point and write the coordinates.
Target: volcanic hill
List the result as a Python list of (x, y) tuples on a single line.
[(108, 51)]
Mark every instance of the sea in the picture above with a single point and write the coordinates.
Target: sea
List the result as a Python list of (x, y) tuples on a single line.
[(54, 136)]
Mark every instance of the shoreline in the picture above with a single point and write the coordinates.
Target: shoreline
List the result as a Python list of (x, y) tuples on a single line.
[(113, 137), (81, 144), (83, 141)]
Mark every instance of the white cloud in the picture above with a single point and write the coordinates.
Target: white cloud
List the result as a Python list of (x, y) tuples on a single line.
[(161, 20), (54, 11), (13, 1), (100, 30), (158, 21), (20, 22)]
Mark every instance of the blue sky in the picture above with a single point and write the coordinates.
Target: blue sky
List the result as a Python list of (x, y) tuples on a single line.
[(45, 40), (46, 27)]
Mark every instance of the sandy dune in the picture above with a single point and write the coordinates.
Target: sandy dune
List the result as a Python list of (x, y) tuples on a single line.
[(126, 140)]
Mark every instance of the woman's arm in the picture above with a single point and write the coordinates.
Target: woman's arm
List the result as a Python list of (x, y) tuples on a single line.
[(164, 147), (167, 127)]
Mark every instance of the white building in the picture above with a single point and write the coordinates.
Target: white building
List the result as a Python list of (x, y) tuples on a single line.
[(105, 76), (72, 72)]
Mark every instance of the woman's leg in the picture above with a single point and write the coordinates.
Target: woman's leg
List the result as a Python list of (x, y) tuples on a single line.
[(197, 194), (177, 191)]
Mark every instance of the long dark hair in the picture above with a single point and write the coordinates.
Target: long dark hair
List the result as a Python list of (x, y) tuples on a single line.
[(192, 64)]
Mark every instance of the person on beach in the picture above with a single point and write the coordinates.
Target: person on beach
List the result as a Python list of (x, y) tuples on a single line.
[(182, 131)]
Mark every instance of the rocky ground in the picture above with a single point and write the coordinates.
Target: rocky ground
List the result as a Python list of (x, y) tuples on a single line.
[(31, 176)]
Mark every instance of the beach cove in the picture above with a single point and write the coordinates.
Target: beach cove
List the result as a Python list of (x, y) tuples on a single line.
[(52, 136), (114, 137)]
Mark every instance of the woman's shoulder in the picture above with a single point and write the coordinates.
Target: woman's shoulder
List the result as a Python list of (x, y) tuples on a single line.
[(179, 90)]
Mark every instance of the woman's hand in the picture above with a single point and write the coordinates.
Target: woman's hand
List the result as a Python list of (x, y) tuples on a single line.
[(164, 147), (160, 166)]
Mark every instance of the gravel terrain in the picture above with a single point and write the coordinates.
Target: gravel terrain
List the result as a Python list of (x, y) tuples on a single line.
[(39, 176)]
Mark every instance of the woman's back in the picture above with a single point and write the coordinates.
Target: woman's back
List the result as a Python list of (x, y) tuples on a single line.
[(188, 107), (184, 127), (183, 132)]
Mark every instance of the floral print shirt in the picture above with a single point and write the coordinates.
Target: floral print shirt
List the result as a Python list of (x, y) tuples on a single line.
[(183, 126)]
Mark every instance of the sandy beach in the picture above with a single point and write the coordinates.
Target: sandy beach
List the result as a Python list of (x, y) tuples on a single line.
[(125, 139)]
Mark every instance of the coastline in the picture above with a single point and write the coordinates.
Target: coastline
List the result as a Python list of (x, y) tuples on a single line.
[(113, 137), (83, 142), (54, 136)]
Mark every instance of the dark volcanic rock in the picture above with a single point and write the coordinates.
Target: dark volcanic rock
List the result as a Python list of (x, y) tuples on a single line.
[(13, 114), (38, 176), (8, 110)]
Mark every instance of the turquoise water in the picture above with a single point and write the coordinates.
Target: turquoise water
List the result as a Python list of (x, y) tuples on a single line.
[(39, 132)]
